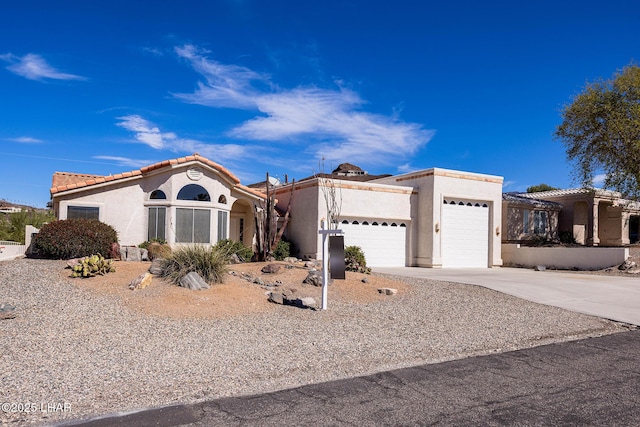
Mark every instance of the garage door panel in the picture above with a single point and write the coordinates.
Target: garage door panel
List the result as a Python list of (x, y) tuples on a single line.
[(465, 235), (383, 246)]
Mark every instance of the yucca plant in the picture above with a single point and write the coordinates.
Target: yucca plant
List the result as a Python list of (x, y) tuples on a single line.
[(209, 262)]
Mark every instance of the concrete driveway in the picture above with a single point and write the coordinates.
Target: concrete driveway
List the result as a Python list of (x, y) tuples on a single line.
[(611, 297)]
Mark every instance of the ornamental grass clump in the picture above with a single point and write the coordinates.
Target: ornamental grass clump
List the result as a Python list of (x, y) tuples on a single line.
[(209, 262)]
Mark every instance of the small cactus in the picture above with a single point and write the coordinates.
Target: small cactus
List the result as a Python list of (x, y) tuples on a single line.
[(91, 266)]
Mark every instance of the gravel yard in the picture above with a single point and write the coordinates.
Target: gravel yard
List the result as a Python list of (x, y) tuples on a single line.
[(90, 353)]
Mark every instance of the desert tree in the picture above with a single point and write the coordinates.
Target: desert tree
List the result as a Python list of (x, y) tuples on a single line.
[(601, 132)]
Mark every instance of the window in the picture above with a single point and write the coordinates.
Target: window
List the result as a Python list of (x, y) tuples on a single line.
[(194, 192), (537, 219), (157, 195), (193, 225), (156, 226), (83, 212), (222, 199), (539, 222), (222, 225), (241, 233)]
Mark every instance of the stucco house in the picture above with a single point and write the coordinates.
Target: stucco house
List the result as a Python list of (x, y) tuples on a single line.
[(527, 219), (594, 217), (429, 218), (185, 200)]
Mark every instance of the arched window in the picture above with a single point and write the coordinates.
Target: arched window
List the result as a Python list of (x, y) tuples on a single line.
[(365, 223), (344, 221), (374, 223), (157, 195), (222, 199), (194, 192)]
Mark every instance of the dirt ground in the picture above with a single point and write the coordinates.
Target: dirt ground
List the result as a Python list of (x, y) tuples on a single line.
[(235, 296)]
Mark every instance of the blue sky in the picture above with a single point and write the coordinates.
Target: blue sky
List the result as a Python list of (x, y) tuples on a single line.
[(274, 86)]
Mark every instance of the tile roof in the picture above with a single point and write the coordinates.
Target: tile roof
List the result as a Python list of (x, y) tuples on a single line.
[(572, 191), (64, 181), (518, 198)]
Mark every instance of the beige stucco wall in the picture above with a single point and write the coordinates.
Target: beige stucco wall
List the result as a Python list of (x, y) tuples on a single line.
[(432, 187), (124, 204), (588, 258), (359, 200)]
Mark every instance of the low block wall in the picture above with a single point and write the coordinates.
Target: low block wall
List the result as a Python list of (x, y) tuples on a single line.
[(11, 250), (587, 258)]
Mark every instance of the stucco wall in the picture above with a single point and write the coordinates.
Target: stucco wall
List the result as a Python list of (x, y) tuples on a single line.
[(584, 258), (359, 200), (124, 204), (433, 186)]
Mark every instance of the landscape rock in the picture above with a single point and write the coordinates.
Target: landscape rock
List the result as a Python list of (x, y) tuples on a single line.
[(305, 302), (271, 268), (313, 278), (193, 281), (276, 298), (540, 268), (132, 253), (141, 282), (7, 311), (235, 259), (387, 291), (258, 281), (627, 265), (365, 280), (310, 264), (156, 267)]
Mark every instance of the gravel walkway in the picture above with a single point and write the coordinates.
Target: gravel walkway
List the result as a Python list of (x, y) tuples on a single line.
[(88, 355)]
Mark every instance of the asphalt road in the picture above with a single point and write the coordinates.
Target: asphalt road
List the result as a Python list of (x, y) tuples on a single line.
[(588, 382)]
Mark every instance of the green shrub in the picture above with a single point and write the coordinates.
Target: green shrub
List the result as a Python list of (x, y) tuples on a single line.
[(229, 247), (74, 238), (354, 260), (209, 262), (91, 266), (282, 251)]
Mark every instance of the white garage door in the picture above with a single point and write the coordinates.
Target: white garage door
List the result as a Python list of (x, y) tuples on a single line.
[(383, 242), (465, 234)]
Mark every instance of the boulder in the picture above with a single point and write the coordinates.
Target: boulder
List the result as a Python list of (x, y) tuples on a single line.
[(313, 278), (540, 268), (7, 311), (388, 291), (276, 298), (156, 267), (627, 265), (132, 253), (141, 282), (193, 281), (271, 268), (235, 259), (305, 302)]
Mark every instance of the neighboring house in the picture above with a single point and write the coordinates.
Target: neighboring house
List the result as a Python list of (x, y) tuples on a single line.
[(429, 218), (525, 219), (594, 217), (185, 200)]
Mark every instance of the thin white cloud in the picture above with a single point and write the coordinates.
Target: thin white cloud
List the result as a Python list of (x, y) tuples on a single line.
[(125, 161), (35, 67), (507, 184), (149, 134), (25, 140), (328, 120), (599, 179)]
